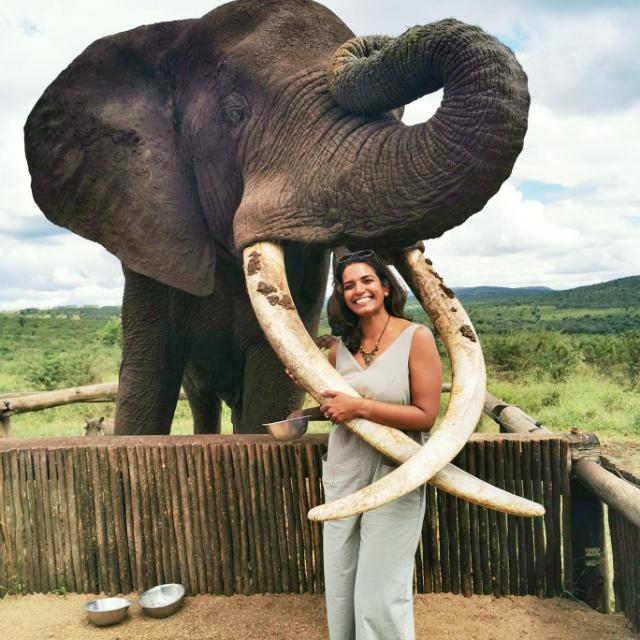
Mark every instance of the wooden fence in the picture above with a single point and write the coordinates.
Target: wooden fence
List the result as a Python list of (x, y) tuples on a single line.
[(594, 481), (227, 514), (625, 546)]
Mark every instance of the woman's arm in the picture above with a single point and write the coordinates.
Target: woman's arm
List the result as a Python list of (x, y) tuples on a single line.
[(425, 376)]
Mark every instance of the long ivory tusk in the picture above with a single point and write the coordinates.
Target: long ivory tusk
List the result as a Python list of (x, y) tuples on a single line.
[(272, 303), (464, 409)]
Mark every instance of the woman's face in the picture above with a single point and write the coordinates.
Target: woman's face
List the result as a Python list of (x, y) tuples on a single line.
[(362, 290)]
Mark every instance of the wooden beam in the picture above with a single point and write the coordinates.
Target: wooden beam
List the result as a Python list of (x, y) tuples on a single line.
[(18, 444), (25, 402), (509, 417), (616, 492), (47, 399)]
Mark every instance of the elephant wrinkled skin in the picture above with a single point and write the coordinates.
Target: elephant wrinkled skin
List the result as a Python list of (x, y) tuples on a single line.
[(179, 145)]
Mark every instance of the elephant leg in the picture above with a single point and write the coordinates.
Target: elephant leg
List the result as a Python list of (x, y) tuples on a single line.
[(206, 406), (267, 395), (152, 359), (206, 414)]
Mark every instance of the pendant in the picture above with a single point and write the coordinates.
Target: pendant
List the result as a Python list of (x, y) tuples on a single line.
[(367, 357)]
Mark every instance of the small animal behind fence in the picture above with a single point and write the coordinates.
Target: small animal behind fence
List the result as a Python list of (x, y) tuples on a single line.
[(98, 426)]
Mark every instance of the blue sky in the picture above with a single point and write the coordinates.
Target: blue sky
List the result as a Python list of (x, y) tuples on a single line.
[(568, 216)]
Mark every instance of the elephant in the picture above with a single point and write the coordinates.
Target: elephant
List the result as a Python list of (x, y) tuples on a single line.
[(221, 159)]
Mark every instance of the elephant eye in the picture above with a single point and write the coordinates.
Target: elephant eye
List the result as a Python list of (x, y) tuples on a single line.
[(235, 109)]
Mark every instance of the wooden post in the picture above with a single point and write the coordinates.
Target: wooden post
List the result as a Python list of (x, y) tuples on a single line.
[(590, 581), (590, 570), (616, 492), (5, 420)]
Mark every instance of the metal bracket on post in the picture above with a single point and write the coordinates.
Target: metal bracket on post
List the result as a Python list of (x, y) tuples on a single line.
[(5, 419), (590, 570), (584, 446)]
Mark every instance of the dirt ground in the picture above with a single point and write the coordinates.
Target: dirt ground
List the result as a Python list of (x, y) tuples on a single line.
[(285, 617), (624, 453)]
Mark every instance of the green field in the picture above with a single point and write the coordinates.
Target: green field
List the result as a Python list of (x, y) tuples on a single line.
[(565, 365)]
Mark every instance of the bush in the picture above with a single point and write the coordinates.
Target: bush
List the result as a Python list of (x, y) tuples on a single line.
[(111, 333), (631, 359), (530, 353), (62, 370)]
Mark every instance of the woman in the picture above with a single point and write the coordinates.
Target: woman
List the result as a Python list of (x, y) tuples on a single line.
[(394, 365)]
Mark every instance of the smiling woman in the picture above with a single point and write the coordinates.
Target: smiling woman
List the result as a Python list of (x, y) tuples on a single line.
[(394, 365)]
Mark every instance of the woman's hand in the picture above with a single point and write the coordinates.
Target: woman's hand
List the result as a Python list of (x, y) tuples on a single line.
[(293, 379), (325, 342), (339, 407)]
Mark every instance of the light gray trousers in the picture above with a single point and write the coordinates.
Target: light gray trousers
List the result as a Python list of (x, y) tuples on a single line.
[(369, 559)]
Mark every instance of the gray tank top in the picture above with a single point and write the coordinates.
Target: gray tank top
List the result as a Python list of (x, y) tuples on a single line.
[(350, 462), (386, 378)]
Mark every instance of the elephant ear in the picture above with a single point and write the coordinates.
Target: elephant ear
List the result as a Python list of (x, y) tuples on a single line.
[(104, 160)]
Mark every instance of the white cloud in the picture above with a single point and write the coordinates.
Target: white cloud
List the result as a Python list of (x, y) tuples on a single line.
[(581, 61), (584, 62), (59, 270), (522, 242), (578, 149)]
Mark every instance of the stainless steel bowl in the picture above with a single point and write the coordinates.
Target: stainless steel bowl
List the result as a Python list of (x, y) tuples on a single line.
[(106, 611), (287, 430), (163, 600)]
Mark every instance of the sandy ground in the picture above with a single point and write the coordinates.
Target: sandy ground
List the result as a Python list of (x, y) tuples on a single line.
[(624, 453), (285, 617)]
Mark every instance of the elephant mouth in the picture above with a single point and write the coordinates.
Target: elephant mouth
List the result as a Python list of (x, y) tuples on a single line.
[(274, 308)]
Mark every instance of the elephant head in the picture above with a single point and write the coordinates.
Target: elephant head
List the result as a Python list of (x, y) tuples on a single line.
[(264, 123)]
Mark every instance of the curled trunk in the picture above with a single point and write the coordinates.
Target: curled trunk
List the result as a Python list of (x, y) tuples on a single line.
[(358, 171), (430, 177)]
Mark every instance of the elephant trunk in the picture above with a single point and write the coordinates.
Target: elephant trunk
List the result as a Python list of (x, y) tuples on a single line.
[(431, 177)]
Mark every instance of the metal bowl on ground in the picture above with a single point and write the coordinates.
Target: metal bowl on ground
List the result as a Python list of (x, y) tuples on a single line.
[(106, 611), (163, 600), (286, 430)]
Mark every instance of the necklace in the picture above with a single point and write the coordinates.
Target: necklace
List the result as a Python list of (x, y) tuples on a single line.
[(368, 356)]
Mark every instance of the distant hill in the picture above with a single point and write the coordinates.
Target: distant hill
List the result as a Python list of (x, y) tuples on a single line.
[(620, 294), (476, 294), (623, 292), (89, 312)]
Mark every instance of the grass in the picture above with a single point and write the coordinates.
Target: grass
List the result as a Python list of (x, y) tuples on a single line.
[(586, 401), (589, 402), (562, 380)]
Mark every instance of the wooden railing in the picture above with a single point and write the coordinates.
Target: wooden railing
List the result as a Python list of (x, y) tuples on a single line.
[(24, 402), (243, 503), (596, 481), (227, 514)]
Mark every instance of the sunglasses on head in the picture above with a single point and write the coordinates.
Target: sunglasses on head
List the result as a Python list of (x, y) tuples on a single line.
[(350, 257)]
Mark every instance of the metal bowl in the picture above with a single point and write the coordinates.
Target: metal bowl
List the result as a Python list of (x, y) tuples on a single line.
[(163, 600), (106, 611), (286, 430)]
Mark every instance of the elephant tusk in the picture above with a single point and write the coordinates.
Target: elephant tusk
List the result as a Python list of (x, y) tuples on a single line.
[(274, 309), (272, 303), (465, 405)]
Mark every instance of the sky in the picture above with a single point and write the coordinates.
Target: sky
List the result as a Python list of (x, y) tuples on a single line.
[(568, 216)]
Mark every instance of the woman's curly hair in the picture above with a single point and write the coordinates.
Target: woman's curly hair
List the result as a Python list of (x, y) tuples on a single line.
[(342, 320)]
